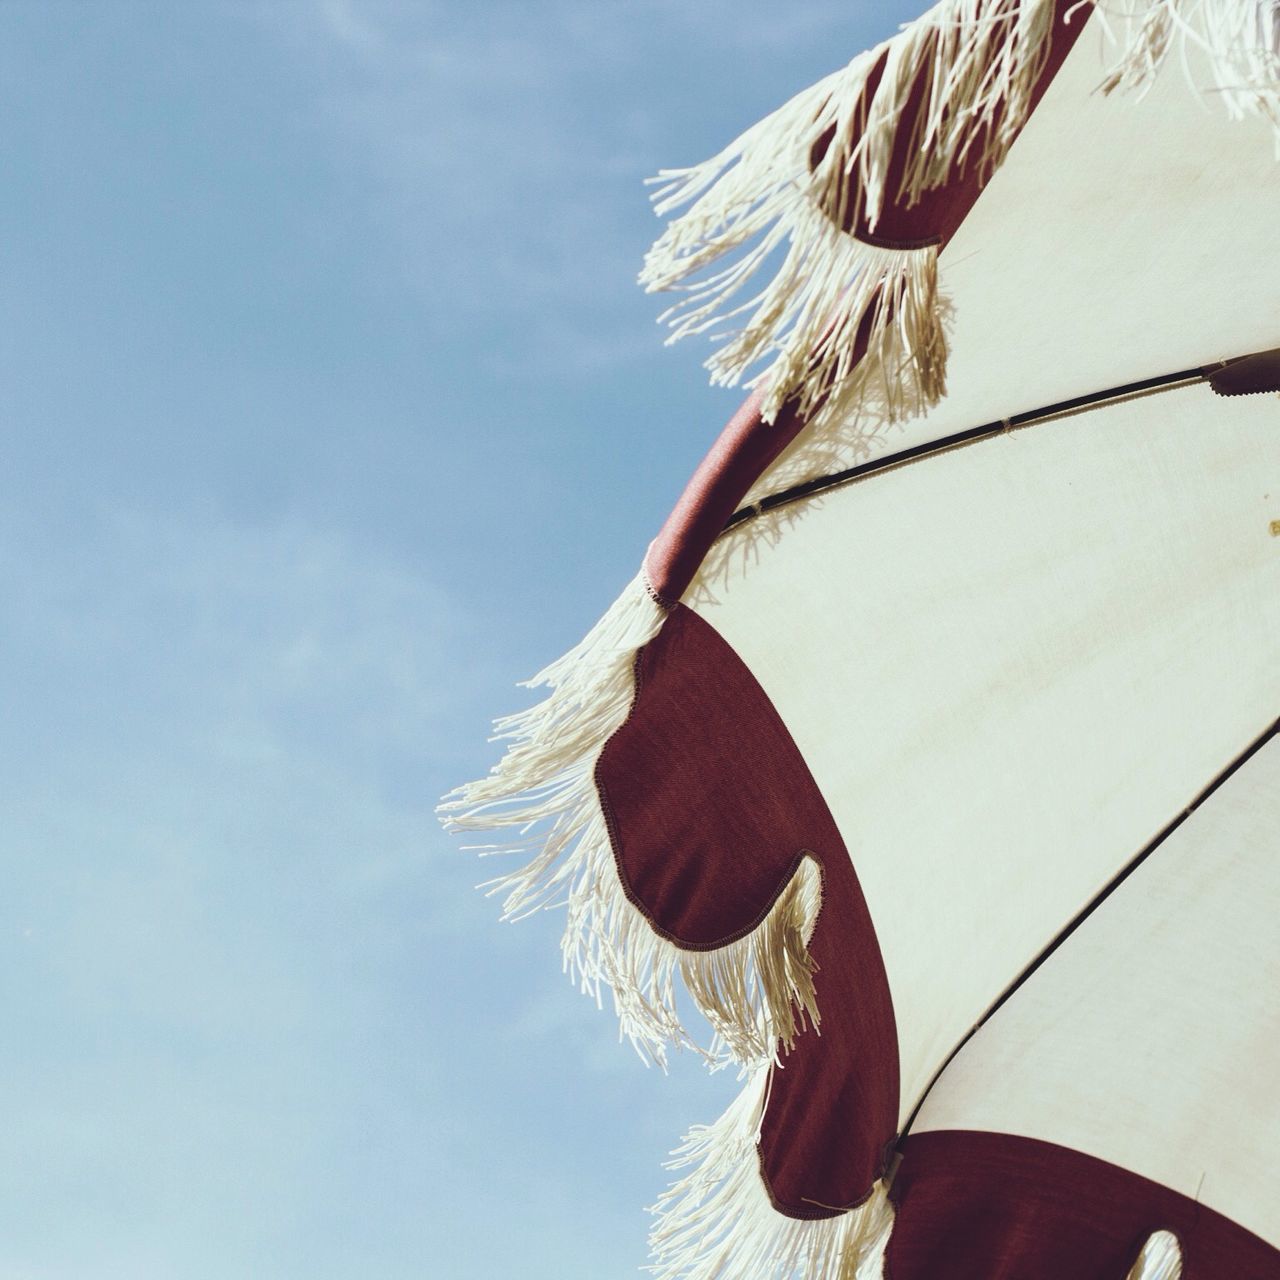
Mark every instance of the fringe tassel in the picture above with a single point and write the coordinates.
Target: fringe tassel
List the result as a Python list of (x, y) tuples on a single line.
[(1240, 38), (543, 793), (717, 1223), (755, 992), (1160, 1259), (758, 992), (976, 63)]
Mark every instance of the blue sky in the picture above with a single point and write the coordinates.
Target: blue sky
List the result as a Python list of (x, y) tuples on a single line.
[(330, 410)]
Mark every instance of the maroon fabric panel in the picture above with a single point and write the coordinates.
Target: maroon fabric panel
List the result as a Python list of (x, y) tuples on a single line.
[(708, 800), (710, 806), (937, 215), (991, 1206), (747, 446), (833, 1108), (1251, 375), (743, 451)]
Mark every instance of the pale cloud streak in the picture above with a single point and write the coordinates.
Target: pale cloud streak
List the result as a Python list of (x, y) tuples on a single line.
[(223, 740), (495, 188), (503, 147)]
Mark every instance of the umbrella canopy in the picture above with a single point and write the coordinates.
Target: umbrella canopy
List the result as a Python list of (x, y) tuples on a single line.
[(933, 750)]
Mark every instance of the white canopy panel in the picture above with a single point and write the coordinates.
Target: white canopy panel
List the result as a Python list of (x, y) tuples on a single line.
[(1151, 1038), (1008, 666)]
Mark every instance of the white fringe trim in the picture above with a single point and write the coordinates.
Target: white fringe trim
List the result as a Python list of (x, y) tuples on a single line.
[(755, 992), (1160, 1259), (979, 61), (717, 1223), (1239, 38)]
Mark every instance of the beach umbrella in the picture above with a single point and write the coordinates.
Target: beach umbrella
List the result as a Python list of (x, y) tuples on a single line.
[(933, 751)]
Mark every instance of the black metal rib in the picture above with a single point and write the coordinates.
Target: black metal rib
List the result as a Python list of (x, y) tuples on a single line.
[(1116, 881), (971, 435)]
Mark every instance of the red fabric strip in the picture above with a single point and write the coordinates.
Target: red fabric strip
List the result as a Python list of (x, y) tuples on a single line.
[(992, 1206), (710, 805)]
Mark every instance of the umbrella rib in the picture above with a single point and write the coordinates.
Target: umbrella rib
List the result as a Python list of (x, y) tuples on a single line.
[(971, 435), (1103, 894)]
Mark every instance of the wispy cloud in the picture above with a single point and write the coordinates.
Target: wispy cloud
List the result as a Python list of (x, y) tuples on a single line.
[(503, 146), (217, 781), (253, 1026), (250, 630), (499, 187)]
